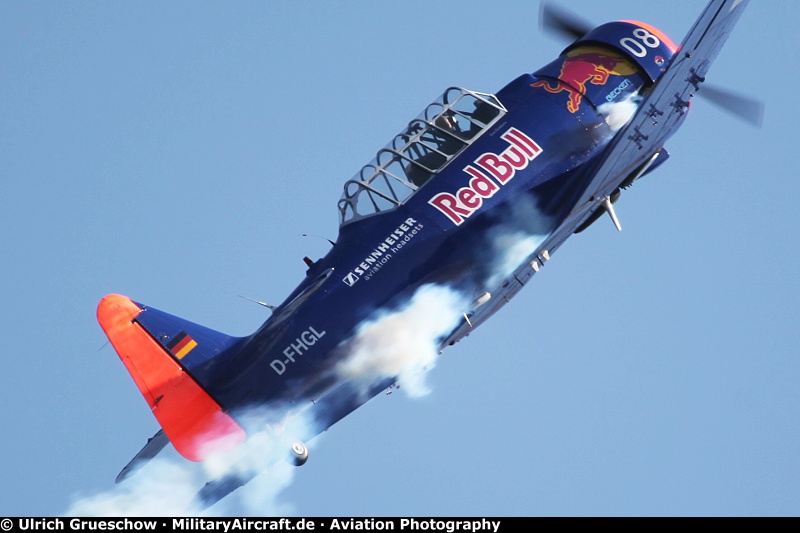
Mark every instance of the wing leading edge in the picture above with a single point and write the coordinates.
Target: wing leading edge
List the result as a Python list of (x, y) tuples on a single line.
[(668, 101)]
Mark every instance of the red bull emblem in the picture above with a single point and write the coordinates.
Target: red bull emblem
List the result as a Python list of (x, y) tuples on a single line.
[(488, 173), (582, 66)]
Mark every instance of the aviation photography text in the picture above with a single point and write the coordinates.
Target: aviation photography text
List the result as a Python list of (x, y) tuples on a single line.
[(225, 525)]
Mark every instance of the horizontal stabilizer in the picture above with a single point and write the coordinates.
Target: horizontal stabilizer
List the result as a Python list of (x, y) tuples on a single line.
[(194, 422), (214, 491), (154, 445)]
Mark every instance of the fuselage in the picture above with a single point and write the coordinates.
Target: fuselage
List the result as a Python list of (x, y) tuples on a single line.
[(437, 233), (505, 198)]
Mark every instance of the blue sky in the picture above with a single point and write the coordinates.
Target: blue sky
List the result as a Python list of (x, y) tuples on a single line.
[(177, 153)]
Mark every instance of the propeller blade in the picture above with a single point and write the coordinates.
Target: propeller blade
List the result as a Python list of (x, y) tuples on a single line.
[(747, 109), (562, 22)]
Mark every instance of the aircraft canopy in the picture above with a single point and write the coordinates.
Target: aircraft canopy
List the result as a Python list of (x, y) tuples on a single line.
[(429, 142)]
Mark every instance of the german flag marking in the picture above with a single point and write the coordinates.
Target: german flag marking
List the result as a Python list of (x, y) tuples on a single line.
[(181, 345)]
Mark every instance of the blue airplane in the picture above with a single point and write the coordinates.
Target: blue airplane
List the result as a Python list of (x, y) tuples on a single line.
[(456, 214)]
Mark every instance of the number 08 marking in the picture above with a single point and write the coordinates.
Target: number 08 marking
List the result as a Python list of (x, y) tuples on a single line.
[(635, 47)]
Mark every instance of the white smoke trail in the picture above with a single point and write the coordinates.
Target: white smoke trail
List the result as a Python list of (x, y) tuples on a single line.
[(617, 114), (511, 249), (168, 485), (162, 488), (511, 242), (404, 343)]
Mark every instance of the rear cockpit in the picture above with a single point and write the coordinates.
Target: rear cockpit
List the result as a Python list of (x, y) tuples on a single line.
[(442, 131)]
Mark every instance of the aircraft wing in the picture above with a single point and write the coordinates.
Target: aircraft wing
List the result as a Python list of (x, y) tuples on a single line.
[(663, 108)]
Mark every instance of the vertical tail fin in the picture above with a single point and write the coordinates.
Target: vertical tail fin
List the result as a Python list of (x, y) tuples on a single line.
[(165, 356)]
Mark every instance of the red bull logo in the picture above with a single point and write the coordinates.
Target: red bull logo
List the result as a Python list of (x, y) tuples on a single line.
[(582, 66), (487, 174)]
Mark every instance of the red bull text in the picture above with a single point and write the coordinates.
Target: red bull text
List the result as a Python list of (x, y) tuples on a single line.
[(487, 173)]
